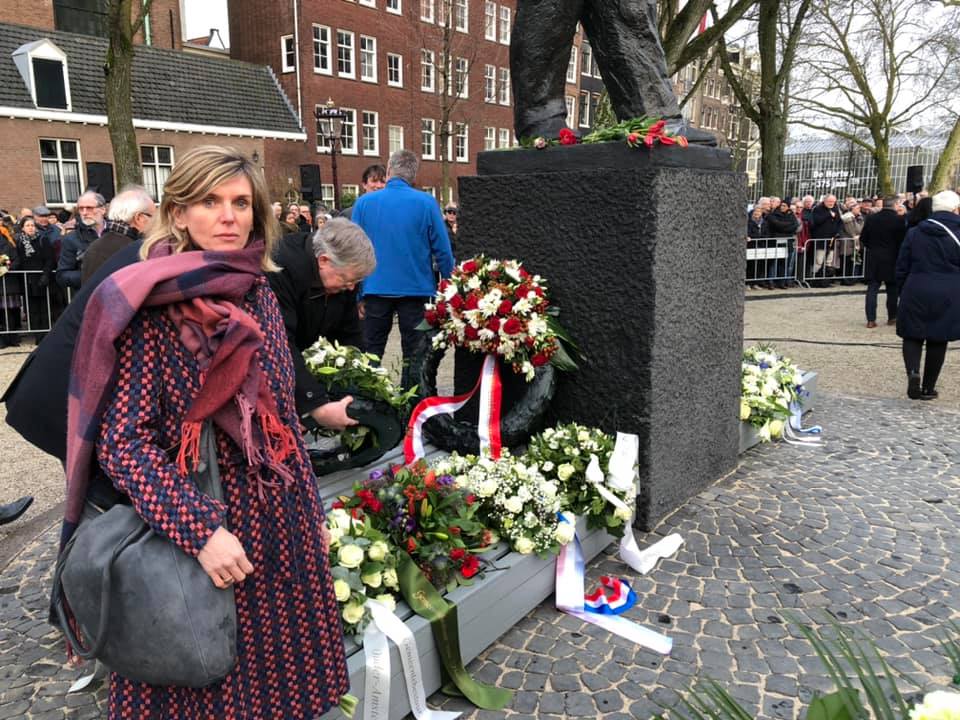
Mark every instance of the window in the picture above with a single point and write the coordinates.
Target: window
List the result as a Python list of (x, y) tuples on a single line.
[(572, 66), (371, 133), (368, 58), (504, 138), (43, 67), (444, 14), (345, 53), (489, 83), (427, 71), (594, 69), (504, 25), (489, 138), (321, 50), (323, 132), (348, 132), (462, 78), (461, 15), (571, 108), (288, 54), (60, 167), (426, 10), (157, 162), (428, 139), (586, 58), (584, 109), (461, 143), (394, 70), (395, 138), (394, 6), (368, 3), (490, 20), (326, 195), (504, 86), (431, 191)]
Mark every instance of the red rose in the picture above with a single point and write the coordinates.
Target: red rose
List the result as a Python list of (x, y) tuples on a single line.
[(454, 530), (456, 302), (470, 332), (539, 359), (493, 324), (538, 291), (524, 274), (568, 137), (441, 310), (458, 554), (411, 545), (529, 342), (431, 317), (513, 326), (470, 567), (470, 266), (337, 504), (522, 291), (471, 499), (472, 302), (506, 307), (444, 284)]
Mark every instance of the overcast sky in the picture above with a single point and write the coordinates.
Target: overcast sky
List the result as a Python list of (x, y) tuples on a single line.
[(201, 15)]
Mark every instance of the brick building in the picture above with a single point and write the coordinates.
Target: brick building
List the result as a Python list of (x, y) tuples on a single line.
[(53, 123)]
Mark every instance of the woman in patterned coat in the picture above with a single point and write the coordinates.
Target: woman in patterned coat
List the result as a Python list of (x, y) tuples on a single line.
[(206, 341)]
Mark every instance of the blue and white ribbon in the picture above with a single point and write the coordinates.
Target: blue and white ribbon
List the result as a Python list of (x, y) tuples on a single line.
[(794, 432)]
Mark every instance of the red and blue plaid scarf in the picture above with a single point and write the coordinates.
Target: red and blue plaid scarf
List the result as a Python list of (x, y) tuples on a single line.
[(201, 291)]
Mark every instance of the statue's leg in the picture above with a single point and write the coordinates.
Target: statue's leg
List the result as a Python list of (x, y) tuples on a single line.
[(539, 54), (626, 44)]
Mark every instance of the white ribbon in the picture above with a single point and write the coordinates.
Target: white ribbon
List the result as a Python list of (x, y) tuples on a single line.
[(376, 700)]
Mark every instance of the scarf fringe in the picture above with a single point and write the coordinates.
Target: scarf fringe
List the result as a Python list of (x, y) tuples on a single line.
[(189, 447), (278, 438)]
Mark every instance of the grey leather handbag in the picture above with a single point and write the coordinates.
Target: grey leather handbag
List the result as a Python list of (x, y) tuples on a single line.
[(147, 610)]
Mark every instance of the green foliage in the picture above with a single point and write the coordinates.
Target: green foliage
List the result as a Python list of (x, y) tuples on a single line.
[(951, 648), (605, 117), (347, 199)]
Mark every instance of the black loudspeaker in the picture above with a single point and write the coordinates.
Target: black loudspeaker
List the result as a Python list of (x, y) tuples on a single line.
[(915, 178), (100, 179), (310, 182)]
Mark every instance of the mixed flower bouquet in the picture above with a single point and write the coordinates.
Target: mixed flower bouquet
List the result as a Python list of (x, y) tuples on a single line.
[(769, 383), (637, 132), (429, 515), (363, 566), (496, 306), (562, 454), (515, 498)]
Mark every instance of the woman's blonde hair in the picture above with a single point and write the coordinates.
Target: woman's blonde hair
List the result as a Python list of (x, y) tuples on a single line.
[(195, 175)]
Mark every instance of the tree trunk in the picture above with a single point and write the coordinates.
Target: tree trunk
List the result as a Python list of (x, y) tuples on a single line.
[(118, 93), (881, 155), (944, 175), (773, 135)]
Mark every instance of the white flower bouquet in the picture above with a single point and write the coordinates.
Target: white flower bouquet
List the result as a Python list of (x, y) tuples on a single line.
[(769, 384), (363, 565)]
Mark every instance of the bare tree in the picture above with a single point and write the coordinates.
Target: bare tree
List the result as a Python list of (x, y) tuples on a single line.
[(779, 27), (877, 64), (948, 167), (678, 26), (123, 25)]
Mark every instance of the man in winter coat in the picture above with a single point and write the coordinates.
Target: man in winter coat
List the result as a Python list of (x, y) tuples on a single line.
[(825, 226), (91, 207), (881, 238), (848, 245), (130, 213), (782, 223)]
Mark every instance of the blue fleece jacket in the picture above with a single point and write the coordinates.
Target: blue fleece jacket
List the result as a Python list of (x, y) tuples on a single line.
[(407, 232)]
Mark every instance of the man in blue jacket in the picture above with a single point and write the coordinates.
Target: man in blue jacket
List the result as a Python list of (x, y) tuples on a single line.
[(408, 235)]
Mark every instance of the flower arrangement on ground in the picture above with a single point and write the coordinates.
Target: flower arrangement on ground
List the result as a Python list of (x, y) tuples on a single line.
[(637, 132), (562, 454), (769, 384), (363, 566), (515, 499), (497, 306), (4, 265), (346, 368), (428, 514)]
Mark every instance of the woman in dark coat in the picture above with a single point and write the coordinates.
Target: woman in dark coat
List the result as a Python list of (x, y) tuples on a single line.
[(36, 257), (928, 273), (10, 290), (193, 334)]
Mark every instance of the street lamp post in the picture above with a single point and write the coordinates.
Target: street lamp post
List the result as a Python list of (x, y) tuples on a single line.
[(329, 125)]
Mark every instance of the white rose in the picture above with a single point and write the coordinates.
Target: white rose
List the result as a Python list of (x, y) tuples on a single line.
[(374, 579), (487, 488), (513, 505), (342, 590), (378, 551), (523, 545), (350, 556), (340, 362), (336, 534), (548, 489), (353, 613), (387, 600), (390, 578), (564, 533), (565, 471), (523, 492), (548, 466), (776, 428)]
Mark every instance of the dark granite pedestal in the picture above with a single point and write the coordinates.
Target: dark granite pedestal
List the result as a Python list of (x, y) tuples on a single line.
[(644, 252)]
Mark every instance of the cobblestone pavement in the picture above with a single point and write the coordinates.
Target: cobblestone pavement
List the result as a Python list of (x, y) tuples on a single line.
[(864, 528)]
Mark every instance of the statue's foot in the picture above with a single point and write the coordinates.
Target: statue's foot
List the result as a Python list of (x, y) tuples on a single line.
[(694, 136)]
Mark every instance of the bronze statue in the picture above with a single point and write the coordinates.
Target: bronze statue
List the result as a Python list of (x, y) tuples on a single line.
[(626, 44)]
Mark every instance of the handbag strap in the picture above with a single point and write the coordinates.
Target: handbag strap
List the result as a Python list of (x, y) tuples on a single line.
[(949, 231)]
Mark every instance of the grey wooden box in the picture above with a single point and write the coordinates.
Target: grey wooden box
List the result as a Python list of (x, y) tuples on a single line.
[(749, 436), (486, 610)]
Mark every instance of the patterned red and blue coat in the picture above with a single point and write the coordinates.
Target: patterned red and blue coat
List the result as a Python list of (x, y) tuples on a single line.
[(291, 660)]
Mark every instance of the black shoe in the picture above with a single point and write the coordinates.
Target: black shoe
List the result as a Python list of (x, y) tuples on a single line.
[(929, 394), (11, 511), (694, 136), (913, 386)]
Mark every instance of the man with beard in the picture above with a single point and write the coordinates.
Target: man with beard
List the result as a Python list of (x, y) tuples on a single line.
[(91, 207)]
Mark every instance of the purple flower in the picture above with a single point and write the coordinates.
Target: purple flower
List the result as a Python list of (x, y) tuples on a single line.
[(376, 474), (445, 480)]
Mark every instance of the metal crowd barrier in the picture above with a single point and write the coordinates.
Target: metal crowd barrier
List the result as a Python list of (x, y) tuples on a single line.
[(775, 261), (27, 307)]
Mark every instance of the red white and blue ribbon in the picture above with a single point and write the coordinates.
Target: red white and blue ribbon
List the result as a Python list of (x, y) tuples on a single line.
[(488, 425), (621, 597)]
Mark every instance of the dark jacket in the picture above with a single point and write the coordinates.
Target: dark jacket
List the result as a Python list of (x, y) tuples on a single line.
[(308, 312), (882, 236), (825, 222), (36, 399), (104, 247), (782, 224), (35, 253), (71, 255), (757, 228), (928, 272)]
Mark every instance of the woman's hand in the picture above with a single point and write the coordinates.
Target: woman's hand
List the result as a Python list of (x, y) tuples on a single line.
[(224, 560)]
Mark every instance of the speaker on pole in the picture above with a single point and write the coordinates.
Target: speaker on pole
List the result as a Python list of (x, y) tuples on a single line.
[(310, 182), (915, 178), (100, 179)]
